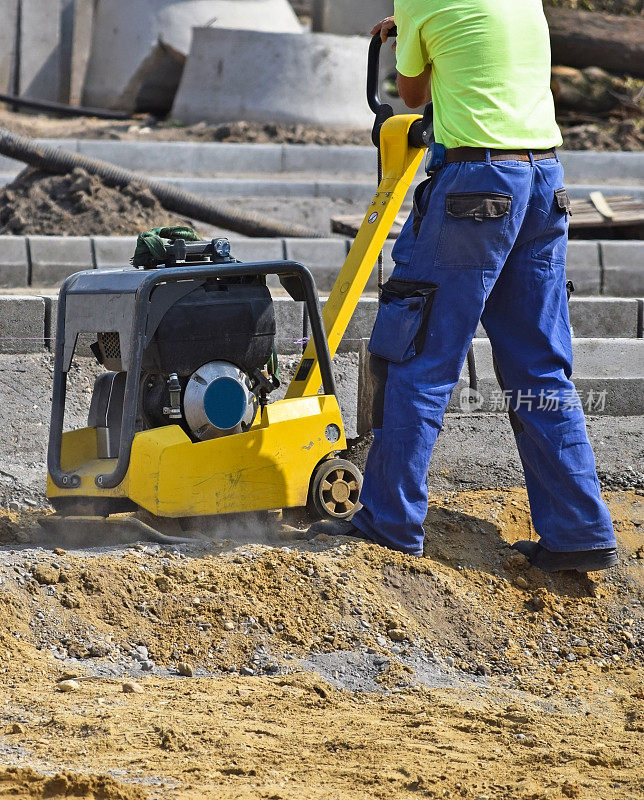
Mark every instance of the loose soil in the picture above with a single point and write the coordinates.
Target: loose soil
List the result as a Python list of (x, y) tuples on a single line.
[(322, 668), (78, 204)]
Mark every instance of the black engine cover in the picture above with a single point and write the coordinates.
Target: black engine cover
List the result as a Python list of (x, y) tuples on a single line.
[(223, 320)]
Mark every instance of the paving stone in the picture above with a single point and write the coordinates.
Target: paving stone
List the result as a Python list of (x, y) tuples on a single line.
[(605, 317), (22, 324), (288, 323), (53, 258), (582, 267), (14, 266), (113, 252), (613, 366), (257, 249), (324, 257), (591, 166), (330, 159), (623, 264)]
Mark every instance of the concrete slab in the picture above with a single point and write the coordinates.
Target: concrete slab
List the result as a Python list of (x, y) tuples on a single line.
[(14, 262), (8, 36), (243, 187), (329, 159), (260, 249), (589, 166), (40, 53), (288, 323), (608, 375), (22, 324), (53, 258), (82, 27), (581, 191), (361, 325), (606, 317), (226, 78), (324, 257), (65, 48), (623, 268), (349, 16), (184, 159), (111, 252), (583, 267), (127, 35)]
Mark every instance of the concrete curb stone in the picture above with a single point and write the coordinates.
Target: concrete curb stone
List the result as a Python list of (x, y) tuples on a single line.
[(112, 252), (608, 317), (623, 268), (14, 262), (22, 324), (582, 167), (583, 267), (54, 258)]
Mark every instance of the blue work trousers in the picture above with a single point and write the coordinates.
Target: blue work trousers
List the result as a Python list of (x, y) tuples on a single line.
[(487, 242)]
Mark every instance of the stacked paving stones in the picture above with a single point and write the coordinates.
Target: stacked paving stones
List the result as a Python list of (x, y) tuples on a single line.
[(607, 309)]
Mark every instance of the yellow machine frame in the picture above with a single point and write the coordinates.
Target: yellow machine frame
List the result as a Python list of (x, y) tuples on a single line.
[(270, 465)]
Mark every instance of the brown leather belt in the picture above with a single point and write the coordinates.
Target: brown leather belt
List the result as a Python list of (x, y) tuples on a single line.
[(480, 154)]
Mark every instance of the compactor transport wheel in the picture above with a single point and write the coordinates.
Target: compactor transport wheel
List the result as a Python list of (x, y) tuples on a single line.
[(335, 489)]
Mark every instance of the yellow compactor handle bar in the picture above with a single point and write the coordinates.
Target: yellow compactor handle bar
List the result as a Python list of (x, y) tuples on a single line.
[(400, 162)]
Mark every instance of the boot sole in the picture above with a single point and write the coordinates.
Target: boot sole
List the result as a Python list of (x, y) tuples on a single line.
[(585, 566)]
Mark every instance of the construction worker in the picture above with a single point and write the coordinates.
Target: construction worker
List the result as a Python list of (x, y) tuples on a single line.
[(486, 241)]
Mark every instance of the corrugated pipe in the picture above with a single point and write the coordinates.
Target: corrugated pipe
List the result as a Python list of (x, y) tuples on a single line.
[(57, 160)]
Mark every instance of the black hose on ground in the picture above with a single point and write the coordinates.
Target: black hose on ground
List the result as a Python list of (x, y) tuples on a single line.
[(57, 160), (63, 108)]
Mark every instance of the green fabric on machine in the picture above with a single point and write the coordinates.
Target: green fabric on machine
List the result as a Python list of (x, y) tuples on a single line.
[(150, 246)]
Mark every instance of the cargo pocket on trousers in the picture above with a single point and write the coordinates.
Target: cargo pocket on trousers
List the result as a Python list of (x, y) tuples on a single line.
[(403, 315), (552, 243), (473, 230)]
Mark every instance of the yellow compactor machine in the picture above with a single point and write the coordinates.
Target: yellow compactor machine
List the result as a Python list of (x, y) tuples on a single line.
[(181, 422)]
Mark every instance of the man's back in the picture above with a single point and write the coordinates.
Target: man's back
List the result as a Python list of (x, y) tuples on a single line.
[(490, 69)]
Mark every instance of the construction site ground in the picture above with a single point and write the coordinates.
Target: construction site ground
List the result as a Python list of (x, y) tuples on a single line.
[(257, 663), (323, 668)]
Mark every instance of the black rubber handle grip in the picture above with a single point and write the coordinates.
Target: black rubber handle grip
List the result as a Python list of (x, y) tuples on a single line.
[(373, 69)]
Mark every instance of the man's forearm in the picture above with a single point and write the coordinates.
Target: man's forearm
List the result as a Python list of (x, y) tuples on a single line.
[(415, 92)]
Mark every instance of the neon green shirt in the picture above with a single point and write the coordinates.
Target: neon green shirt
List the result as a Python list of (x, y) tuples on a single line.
[(490, 64)]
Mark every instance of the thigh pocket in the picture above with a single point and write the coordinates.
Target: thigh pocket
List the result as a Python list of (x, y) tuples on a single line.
[(403, 315), (473, 229), (552, 242)]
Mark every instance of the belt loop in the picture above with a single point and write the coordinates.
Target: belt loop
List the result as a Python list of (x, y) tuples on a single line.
[(488, 156), (531, 157), (556, 152)]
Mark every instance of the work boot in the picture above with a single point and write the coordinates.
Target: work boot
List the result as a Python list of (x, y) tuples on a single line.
[(337, 527), (580, 560)]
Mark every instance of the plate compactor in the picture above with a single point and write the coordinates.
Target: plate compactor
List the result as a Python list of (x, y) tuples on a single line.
[(180, 423)]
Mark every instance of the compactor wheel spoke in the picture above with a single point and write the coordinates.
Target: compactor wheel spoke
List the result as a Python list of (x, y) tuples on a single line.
[(336, 488)]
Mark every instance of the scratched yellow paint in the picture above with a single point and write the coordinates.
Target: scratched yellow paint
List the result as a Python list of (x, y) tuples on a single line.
[(269, 466)]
